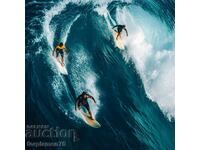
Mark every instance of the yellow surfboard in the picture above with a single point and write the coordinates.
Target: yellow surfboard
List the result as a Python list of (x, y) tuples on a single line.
[(87, 119)]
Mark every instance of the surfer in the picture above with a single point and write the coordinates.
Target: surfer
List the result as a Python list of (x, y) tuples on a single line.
[(119, 30), (60, 49), (82, 101)]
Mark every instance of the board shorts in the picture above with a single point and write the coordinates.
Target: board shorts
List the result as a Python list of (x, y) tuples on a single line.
[(86, 105), (61, 52)]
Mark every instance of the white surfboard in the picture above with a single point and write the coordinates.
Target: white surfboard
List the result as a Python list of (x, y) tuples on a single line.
[(87, 119), (61, 69), (118, 42)]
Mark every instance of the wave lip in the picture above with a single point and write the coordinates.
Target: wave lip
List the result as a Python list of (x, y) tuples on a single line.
[(154, 59)]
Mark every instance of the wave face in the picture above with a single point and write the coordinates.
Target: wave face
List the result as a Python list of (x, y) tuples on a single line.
[(134, 88)]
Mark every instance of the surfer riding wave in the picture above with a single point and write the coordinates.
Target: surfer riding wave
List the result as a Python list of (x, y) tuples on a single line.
[(119, 30), (82, 100), (60, 49)]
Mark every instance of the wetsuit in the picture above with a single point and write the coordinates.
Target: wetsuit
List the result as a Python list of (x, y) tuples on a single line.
[(119, 28)]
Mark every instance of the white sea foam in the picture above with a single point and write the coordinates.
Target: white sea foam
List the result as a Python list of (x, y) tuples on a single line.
[(151, 46), (57, 87), (83, 78), (102, 10), (48, 32)]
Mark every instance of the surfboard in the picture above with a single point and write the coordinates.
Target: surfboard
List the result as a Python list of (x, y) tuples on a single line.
[(118, 42), (61, 69), (87, 119)]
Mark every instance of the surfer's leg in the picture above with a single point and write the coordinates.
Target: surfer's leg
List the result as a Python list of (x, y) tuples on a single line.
[(88, 109), (62, 58), (118, 35), (57, 53)]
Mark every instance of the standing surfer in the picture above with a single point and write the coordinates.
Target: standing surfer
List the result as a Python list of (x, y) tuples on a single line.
[(60, 49), (119, 30), (82, 100)]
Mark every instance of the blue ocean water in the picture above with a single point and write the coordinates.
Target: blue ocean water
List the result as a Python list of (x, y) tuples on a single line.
[(133, 87)]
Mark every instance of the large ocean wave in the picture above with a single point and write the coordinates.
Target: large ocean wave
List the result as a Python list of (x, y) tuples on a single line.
[(134, 88)]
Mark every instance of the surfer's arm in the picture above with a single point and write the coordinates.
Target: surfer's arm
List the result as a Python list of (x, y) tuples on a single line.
[(77, 105), (126, 31), (89, 96), (114, 27)]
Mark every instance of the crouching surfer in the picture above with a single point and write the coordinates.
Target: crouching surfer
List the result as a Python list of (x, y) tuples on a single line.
[(60, 49), (82, 100), (119, 30)]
